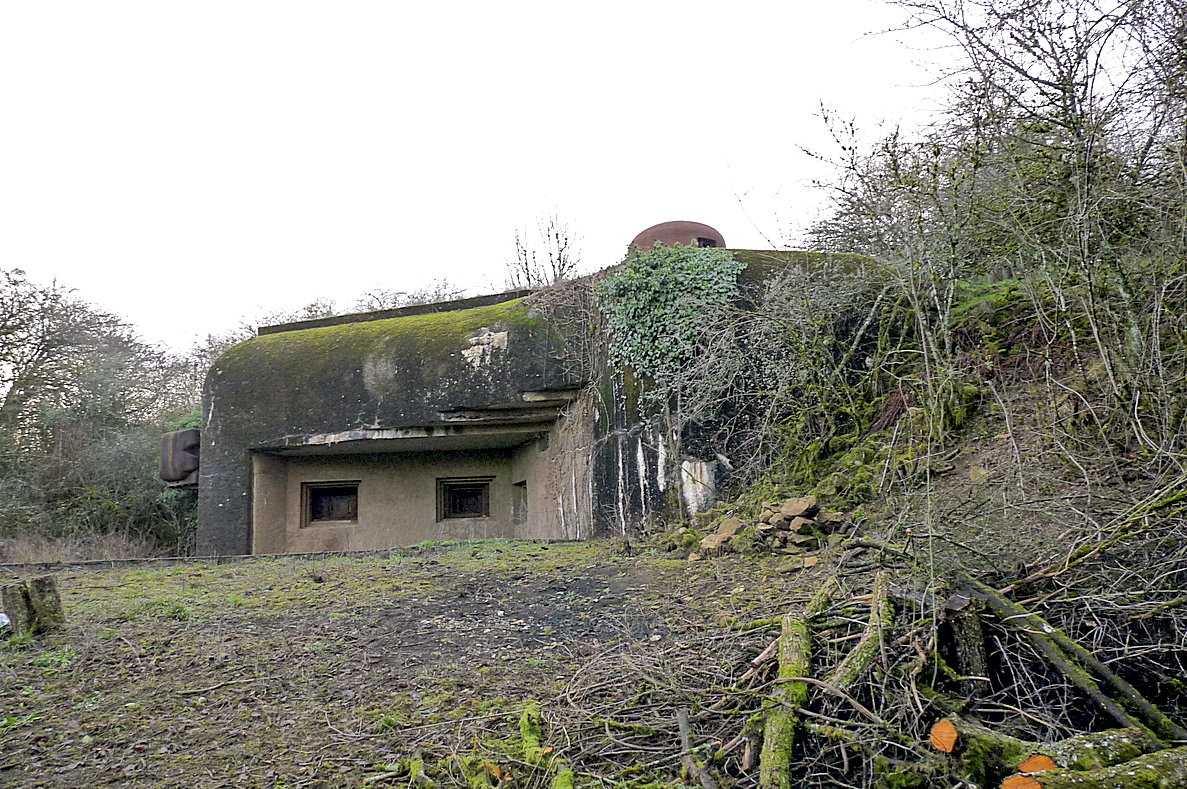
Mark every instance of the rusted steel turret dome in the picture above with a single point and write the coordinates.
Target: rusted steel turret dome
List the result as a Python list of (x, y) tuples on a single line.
[(689, 234)]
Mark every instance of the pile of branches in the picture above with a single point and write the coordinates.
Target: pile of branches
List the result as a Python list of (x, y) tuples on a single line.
[(890, 676), (883, 672)]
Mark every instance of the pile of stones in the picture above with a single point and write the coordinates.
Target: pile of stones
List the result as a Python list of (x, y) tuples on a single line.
[(793, 526)]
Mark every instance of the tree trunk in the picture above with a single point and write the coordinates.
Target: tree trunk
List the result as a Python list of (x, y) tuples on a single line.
[(33, 606), (969, 642)]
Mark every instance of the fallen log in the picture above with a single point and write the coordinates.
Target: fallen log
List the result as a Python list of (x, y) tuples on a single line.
[(944, 735), (1162, 770), (779, 728), (969, 644), (795, 658), (1097, 750), (1037, 764), (860, 657), (988, 755)]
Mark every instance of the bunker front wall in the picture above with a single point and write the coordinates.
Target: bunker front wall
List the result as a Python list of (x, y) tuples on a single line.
[(278, 395), (398, 498), (637, 475)]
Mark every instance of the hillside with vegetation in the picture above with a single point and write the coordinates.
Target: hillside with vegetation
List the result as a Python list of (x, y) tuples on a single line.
[(953, 550)]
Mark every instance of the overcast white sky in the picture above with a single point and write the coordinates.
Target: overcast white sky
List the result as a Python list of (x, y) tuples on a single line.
[(187, 165)]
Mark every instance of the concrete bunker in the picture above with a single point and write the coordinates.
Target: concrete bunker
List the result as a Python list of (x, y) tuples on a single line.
[(388, 429), (460, 420)]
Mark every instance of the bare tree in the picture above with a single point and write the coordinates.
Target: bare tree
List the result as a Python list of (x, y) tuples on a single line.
[(1060, 162), (380, 298), (82, 404), (552, 256)]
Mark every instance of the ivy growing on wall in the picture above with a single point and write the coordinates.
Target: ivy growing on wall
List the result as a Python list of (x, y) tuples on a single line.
[(659, 303)]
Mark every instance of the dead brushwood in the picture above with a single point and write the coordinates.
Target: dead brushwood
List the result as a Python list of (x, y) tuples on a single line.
[(1062, 651), (872, 640), (690, 763)]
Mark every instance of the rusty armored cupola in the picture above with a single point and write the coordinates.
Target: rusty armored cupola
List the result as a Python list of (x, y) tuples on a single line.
[(669, 234)]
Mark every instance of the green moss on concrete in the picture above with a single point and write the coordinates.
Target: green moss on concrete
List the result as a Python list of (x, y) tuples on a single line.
[(762, 265), (429, 336)]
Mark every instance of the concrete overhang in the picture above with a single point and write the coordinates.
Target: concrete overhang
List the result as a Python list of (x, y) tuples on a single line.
[(436, 438), (498, 426)]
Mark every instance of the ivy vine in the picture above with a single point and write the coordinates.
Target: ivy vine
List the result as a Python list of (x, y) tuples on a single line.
[(659, 303)]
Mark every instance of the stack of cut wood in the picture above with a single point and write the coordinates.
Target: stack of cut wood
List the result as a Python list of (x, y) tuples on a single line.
[(1148, 750)]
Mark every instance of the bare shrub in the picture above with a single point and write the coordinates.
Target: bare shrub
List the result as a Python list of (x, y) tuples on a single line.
[(38, 549)]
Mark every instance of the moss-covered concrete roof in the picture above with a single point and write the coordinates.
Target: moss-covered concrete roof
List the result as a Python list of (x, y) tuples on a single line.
[(382, 372), (761, 264), (369, 375), (399, 312), (402, 367)]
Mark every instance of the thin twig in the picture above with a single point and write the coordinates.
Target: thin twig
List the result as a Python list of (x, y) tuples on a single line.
[(857, 705), (200, 691)]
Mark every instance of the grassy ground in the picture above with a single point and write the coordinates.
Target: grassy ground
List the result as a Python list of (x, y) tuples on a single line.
[(342, 671)]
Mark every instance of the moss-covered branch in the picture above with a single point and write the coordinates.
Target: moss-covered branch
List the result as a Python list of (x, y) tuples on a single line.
[(860, 657), (691, 764), (988, 756), (1162, 770), (795, 659), (779, 727)]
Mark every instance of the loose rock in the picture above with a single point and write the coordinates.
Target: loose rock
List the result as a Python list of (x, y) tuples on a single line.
[(801, 507), (802, 526)]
